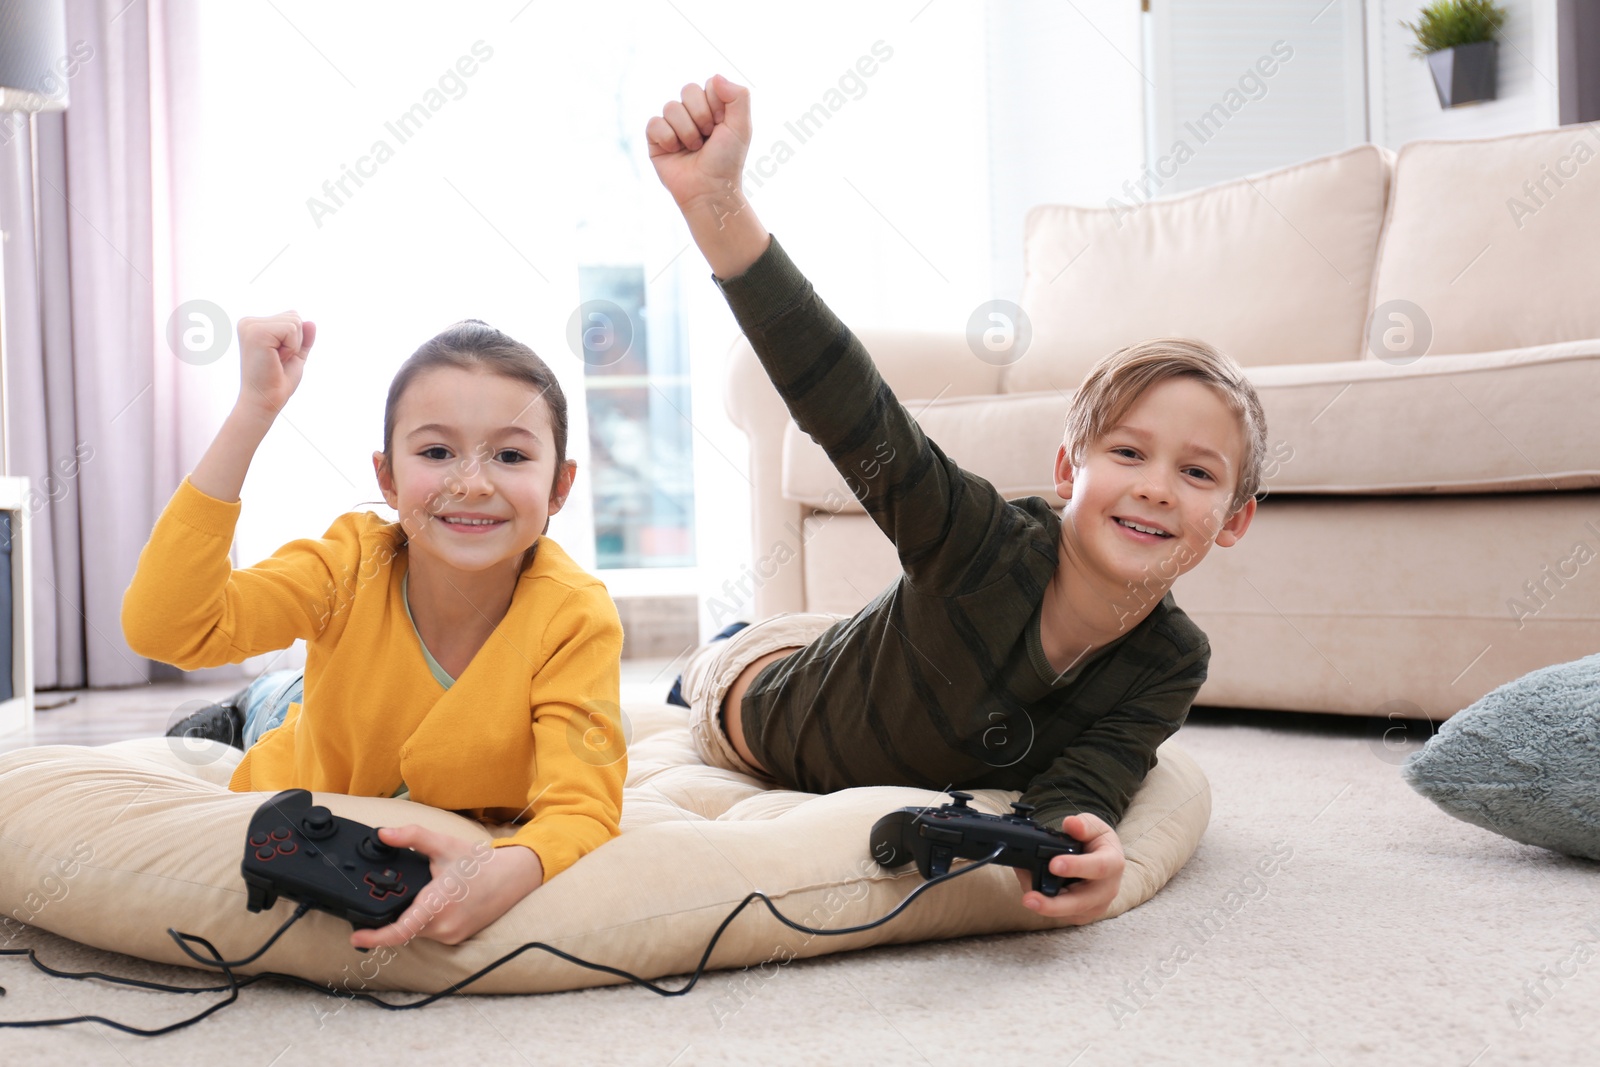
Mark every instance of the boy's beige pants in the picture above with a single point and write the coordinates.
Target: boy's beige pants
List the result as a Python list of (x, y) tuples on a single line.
[(714, 667)]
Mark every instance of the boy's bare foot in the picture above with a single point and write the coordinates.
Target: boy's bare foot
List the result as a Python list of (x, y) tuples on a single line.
[(734, 700)]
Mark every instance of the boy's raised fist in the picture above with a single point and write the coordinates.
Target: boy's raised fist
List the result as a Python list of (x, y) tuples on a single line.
[(698, 143)]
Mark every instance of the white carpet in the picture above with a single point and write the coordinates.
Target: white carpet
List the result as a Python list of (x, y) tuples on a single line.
[(1387, 932)]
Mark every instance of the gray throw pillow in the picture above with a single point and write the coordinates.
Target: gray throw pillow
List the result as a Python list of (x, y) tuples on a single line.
[(1524, 761)]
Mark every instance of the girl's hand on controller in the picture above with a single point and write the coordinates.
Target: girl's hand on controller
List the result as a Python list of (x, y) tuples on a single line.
[(1100, 866), (473, 885), (698, 143), (272, 355)]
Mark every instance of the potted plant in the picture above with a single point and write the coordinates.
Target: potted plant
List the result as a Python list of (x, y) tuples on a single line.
[(1457, 38)]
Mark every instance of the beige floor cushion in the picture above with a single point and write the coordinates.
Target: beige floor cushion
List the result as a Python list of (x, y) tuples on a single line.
[(110, 846)]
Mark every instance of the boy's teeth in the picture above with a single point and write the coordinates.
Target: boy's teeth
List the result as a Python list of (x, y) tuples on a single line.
[(473, 522), (1143, 529)]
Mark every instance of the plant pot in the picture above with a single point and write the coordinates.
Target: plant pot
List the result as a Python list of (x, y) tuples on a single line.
[(1464, 74)]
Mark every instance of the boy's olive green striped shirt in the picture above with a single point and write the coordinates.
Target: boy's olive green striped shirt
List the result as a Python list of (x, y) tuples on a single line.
[(942, 681)]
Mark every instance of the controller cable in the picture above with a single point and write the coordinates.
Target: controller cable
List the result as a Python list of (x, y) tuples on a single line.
[(235, 983), (232, 988)]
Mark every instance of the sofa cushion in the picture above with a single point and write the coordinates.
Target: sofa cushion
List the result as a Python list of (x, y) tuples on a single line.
[(1345, 604), (1493, 239), (1017, 462), (1271, 268), (1449, 424), (1523, 760), (112, 845), (1475, 423)]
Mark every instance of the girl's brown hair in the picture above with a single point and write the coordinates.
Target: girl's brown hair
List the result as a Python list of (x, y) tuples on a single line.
[(1118, 380)]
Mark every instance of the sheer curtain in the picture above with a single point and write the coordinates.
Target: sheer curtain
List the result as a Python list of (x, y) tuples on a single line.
[(95, 424)]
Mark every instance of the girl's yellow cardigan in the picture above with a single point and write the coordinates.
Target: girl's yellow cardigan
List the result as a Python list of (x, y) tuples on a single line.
[(531, 732)]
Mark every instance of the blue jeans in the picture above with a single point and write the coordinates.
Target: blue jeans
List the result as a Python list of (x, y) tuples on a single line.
[(266, 702)]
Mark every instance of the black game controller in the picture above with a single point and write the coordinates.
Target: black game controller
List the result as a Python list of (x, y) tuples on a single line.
[(935, 836), (306, 853)]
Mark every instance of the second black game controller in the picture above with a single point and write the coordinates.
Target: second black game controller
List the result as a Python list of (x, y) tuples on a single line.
[(933, 837), (303, 851)]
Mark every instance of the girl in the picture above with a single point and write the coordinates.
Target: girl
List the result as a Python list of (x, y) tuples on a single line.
[(457, 657)]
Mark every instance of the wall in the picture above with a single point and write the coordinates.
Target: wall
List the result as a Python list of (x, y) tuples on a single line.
[(1405, 106), (1066, 97)]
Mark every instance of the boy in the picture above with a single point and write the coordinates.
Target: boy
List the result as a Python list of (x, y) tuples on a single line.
[(1017, 650)]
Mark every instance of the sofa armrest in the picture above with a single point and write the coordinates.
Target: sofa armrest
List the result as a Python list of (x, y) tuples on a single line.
[(919, 365)]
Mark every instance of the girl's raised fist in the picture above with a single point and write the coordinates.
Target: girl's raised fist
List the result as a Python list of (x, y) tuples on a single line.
[(272, 354)]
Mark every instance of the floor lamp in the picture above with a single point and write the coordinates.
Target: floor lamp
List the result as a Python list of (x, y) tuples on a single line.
[(33, 78)]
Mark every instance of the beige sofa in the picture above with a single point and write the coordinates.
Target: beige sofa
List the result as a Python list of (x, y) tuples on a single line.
[(1424, 330)]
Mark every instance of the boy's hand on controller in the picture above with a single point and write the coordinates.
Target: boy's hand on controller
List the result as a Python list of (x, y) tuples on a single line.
[(468, 892), (1100, 866), (272, 355), (698, 144)]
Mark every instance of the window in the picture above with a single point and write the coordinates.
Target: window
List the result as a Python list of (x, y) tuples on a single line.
[(636, 386)]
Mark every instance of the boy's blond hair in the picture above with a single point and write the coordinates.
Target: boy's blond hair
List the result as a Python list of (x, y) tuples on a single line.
[(1118, 380)]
